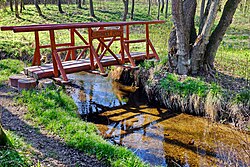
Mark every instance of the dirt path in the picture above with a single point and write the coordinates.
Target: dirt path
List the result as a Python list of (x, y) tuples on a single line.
[(49, 150)]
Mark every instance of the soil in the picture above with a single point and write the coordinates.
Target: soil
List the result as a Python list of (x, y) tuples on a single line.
[(47, 149)]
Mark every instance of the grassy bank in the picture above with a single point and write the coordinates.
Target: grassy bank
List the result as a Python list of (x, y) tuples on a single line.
[(196, 96), (56, 111), (9, 67)]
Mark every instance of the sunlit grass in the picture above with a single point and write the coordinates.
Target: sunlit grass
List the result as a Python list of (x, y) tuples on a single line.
[(56, 111), (9, 67)]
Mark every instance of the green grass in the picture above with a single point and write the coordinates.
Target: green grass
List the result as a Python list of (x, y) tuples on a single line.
[(189, 86), (9, 67), (56, 111), (16, 154)]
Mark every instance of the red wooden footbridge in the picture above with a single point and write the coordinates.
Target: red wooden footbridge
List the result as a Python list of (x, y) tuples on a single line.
[(105, 33)]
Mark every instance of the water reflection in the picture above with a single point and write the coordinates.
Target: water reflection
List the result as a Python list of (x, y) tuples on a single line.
[(92, 93), (157, 135)]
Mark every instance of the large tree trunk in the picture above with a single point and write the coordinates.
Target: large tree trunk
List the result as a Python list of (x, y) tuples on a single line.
[(194, 54), (132, 9), (220, 30), (125, 2), (179, 42), (199, 47), (91, 8), (38, 8), (59, 4)]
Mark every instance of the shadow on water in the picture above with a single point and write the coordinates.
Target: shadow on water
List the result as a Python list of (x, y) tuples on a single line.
[(155, 134)]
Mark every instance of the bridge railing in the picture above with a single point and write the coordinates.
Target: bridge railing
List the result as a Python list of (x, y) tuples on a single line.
[(103, 32)]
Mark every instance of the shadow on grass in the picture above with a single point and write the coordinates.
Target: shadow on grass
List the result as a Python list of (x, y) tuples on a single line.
[(50, 150), (228, 82)]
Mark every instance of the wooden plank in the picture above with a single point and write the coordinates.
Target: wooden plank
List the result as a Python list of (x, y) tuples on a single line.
[(72, 66), (71, 48), (135, 41), (68, 70), (46, 27), (106, 33)]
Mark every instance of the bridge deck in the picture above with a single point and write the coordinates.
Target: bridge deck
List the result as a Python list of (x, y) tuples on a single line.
[(72, 66), (100, 33)]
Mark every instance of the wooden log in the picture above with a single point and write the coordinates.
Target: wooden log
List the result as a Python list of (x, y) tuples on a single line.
[(13, 80), (26, 84)]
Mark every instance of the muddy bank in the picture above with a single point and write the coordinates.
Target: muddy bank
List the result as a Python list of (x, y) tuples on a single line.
[(218, 107)]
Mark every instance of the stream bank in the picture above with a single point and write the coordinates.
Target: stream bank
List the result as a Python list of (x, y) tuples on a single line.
[(216, 99), (157, 135)]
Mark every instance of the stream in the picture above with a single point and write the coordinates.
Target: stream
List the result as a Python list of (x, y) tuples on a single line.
[(158, 136)]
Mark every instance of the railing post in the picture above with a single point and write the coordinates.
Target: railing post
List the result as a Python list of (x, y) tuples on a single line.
[(147, 41), (91, 49), (127, 35), (72, 38), (53, 50), (122, 48), (37, 55)]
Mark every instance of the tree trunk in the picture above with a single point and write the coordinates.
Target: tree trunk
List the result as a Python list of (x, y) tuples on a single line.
[(38, 8), (125, 2), (199, 47), (149, 7), (159, 7), (59, 4), (91, 8), (202, 10), (11, 5), (79, 5), (194, 54), (180, 38), (132, 9), (217, 35), (16, 9), (162, 5), (83, 2), (21, 6), (166, 9)]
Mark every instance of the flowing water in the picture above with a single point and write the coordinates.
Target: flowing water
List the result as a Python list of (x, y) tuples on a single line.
[(157, 135)]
